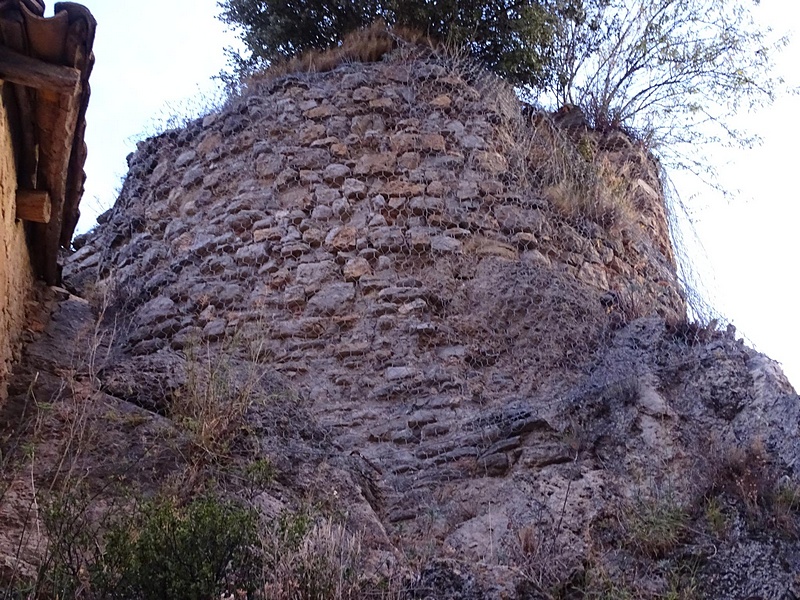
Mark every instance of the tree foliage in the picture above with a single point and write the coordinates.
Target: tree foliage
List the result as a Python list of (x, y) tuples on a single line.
[(274, 29), (512, 37)]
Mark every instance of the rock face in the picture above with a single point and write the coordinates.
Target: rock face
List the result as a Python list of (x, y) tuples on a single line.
[(504, 374)]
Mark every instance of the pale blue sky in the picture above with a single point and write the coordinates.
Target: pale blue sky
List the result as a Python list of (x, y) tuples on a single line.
[(156, 57)]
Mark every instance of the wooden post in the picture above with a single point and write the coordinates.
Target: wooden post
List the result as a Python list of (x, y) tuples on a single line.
[(33, 205)]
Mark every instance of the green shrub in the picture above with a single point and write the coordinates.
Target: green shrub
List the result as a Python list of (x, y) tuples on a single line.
[(155, 550), (204, 550), (171, 552)]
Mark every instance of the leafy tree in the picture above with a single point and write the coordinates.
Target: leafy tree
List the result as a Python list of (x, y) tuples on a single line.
[(274, 29), (512, 37)]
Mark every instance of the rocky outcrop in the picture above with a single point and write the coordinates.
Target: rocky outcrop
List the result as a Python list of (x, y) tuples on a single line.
[(500, 376)]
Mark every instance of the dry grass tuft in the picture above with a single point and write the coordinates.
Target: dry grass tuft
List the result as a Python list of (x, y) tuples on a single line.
[(579, 180), (314, 561), (366, 45), (219, 391), (537, 555)]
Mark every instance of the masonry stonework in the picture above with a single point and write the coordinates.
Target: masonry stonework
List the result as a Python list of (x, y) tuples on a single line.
[(16, 278)]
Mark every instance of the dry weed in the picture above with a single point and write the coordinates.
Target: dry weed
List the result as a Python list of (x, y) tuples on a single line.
[(219, 391), (749, 476), (311, 561), (47, 462), (581, 182), (366, 45)]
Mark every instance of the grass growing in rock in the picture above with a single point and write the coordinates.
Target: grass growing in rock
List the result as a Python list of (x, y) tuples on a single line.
[(655, 527), (212, 405), (715, 517)]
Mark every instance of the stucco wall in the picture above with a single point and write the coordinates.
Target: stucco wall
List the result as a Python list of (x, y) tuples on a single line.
[(15, 273)]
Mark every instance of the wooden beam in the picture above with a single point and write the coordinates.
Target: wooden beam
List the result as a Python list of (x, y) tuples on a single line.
[(35, 6), (34, 73), (33, 205)]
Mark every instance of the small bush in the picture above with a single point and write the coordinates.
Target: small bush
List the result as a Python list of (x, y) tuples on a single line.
[(207, 549), (171, 552), (156, 550)]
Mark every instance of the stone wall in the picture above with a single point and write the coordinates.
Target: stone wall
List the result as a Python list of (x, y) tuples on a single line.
[(15, 273), (368, 223), (368, 167), (382, 237)]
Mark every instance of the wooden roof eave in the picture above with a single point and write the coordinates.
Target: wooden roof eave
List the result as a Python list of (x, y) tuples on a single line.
[(49, 61)]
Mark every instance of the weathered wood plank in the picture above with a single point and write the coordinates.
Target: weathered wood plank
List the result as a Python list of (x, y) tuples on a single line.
[(30, 72), (56, 121), (35, 6), (33, 205), (12, 30)]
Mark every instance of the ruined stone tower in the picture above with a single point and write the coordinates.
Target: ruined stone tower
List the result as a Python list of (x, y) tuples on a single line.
[(475, 337)]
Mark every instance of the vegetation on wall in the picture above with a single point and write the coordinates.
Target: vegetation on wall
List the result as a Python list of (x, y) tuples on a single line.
[(515, 39), (673, 71)]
